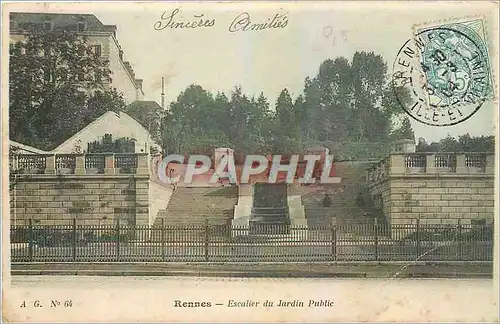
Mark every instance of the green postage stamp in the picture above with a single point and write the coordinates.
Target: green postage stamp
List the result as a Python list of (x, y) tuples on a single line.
[(451, 72)]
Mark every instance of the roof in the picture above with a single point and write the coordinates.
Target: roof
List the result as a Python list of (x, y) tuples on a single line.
[(21, 21), (96, 122), (26, 148), (147, 104)]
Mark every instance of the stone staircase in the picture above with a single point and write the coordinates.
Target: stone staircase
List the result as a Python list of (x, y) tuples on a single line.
[(197, 205), (343, 197)]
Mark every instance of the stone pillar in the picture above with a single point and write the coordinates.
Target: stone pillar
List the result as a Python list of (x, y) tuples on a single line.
[(142, 164), (50, 164), (80, 164), (461, 168), (14, 162), (430, 163), (243, 209), (297, 216), (109, 164), (397, 164), (403, 146)]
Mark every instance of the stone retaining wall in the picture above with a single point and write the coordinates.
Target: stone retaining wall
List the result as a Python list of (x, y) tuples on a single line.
[(443, 201), (92, 200), (437, 188)]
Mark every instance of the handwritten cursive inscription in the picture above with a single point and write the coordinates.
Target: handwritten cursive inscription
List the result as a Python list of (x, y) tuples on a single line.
[(168, 20), (243, 22)]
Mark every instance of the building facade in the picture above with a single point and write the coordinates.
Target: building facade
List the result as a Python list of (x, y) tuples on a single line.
[(101, 37)]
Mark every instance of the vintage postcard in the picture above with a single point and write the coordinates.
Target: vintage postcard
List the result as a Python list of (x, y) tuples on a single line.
[(250, 161)]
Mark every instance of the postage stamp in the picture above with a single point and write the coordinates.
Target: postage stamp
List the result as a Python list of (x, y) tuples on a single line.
[(249, 161), (447, 70)]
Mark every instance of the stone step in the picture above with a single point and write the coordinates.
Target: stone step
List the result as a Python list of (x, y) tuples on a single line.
[(195, 205), (173, 216), (197, 210)]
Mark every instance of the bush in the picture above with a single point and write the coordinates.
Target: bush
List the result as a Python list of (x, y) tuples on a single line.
[(480, 233), (19, 235), (112, 237), (50, 237), (450, 234)]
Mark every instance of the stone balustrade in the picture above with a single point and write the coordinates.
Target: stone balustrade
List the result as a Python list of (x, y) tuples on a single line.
[(81, 164), (432, 163)]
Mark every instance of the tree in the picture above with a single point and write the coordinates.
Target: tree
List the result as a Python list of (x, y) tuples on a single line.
[(244, 114), (464, 143), (404, 131), (349, 101), (285, 116), (149, 114), (328, 101), (287, 129), (56, 85), (195, 122), (108, 145)]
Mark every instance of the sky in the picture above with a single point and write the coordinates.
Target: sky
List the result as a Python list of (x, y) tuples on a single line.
[(269, 60)]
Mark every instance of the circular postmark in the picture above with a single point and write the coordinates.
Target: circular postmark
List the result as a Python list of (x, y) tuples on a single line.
[(443, 77)]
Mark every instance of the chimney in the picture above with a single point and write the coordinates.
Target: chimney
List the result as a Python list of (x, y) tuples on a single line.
[(163, 92)]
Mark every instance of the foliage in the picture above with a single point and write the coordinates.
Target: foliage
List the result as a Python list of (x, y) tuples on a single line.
[(345, 103), (149, 114), (404, 131), (464, 143), (474, 233), (107, 145), (57, 85)]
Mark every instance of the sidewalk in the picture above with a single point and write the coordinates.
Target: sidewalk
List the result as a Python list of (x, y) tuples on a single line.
[(268, 269)]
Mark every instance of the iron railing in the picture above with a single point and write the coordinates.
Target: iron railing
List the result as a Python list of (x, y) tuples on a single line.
[(221, 243)]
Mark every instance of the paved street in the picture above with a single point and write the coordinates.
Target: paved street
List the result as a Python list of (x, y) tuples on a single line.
[(153, 298)]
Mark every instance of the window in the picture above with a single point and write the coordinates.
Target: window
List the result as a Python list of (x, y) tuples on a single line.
[(47, 25), (81, 26), (98, 50)]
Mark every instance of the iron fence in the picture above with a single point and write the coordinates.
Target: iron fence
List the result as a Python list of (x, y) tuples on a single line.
[(225, 243)]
